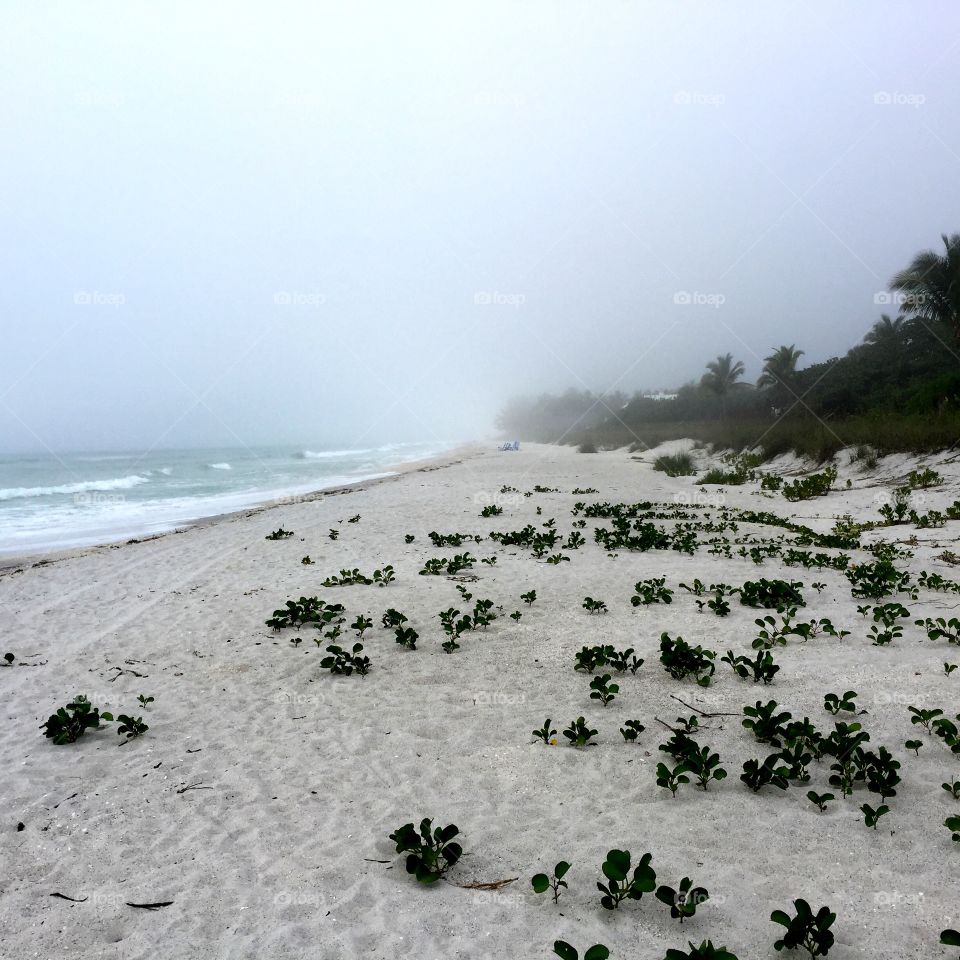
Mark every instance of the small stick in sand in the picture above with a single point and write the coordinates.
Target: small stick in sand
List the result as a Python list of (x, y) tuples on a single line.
[(703, 713)]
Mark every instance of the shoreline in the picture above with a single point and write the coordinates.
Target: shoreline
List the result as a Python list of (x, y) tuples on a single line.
[(13, 562)]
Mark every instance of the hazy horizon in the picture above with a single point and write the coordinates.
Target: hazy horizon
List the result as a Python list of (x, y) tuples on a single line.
[(377, 223)]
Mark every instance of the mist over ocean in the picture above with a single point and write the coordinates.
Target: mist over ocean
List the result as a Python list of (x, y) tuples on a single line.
[(68, 500)]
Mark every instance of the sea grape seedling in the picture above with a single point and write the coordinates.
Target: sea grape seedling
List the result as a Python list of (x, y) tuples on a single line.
[(797, 758), (392, 619), (133, 727), (760, 668), (704, 765), (541, 883), (594, 606), (765, 722), (361, 625), (940, 628), (334, 533), (515, 616), (621, 885), (345, 662), (820, 799), (631, 730), (565, 952), (306, 561), (834, 703), (706, 951), (546, 734), (771, 635), (279, 534), (430, 851), (382, 577), (579, 734), (806, 930), (683, 901), (950, 938), (870, 816), (409, 538), (777, 594), (603, 690), (651, 591), (673, 779), (144, 700), (718, 605), (347, 578), (757, 774), (529, 597), (624, 660), (924, 717), (680, 660), (881, 772), (953, 788), (914, 745), (71, 722), (953, 825), (407, 637)]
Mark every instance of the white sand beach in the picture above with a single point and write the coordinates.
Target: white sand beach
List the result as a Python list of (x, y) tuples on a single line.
[(260, 801)]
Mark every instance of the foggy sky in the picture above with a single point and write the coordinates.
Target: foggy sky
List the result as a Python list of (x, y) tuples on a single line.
[(459, 201)]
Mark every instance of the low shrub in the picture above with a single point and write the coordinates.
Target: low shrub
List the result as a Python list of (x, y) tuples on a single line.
[(675, 465)]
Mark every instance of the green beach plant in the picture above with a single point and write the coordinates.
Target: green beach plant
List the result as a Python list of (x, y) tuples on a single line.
[(431, 851)]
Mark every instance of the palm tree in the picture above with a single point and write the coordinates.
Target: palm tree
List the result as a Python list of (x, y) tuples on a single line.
[(931, 285), (721, 376), (779, 375), (780, 368), (886, 332)]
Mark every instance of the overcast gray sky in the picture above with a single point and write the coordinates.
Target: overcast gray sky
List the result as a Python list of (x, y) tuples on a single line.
[(371, 221)]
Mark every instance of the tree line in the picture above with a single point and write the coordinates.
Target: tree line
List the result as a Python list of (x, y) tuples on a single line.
[(907, 364)]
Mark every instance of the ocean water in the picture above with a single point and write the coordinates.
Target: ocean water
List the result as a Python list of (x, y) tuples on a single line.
[(52, 502)]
